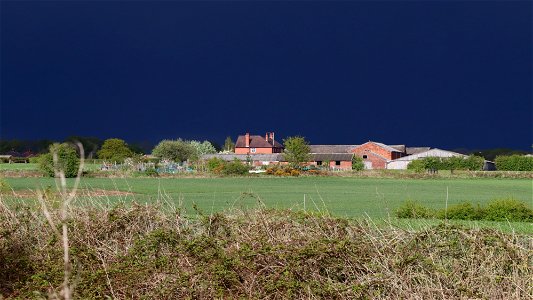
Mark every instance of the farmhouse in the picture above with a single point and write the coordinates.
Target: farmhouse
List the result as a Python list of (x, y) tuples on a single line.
[(256, 144)]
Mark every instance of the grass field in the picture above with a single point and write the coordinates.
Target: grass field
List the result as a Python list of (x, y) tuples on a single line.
[(35, 167), (347, 197)]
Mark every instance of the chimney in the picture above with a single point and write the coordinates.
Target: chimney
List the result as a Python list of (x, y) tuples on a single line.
[(267, 136), (247, 140), (272, 137)]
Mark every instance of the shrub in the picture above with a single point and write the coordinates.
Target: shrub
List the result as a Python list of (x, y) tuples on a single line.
[(152, 172), (514, 163), (295, 173), (497, 210), (214, 163), (35, 159), (68, 161), (235, 168), (462, 211), (357, 163), (508, 210), (414, 210), (417, 165)]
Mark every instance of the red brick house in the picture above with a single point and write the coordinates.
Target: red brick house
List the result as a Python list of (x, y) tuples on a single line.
[(376, 155), (256, 144)]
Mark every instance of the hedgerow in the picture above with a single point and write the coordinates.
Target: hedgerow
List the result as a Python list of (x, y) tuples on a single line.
[(514, 163)]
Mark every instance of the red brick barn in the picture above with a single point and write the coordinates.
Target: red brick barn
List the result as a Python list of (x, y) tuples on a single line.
[(256, 144), (376, 155)]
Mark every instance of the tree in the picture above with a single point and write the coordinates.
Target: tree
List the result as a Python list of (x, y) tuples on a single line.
[(296, 150), (229, 146), (175, 150), (357, 163), (202, 148), (115, 150), (90, 144), (67, 160)]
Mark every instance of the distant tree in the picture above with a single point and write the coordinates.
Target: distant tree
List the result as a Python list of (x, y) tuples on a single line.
[(357, 163), (67, 160), (217, 146), (90, 144), (136, 148), (175, 150), (115, 150), (296, 150), (229, 146), (202, 148)]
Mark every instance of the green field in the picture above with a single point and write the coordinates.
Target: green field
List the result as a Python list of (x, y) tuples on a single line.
[(35, 167), (350, 197)]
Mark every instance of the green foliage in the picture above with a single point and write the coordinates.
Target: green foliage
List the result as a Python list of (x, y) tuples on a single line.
[(4, 186), (496, 210), (514, 163), (229, 145), (508, 210), (151, 172), (357, 163), (201, 148), (115, 150), (471, 163), (67, 161), (417, 165), (236, 167), (214, 163), (175, 150), (296, 150), (35, 159), (414, 210), (462, 211)]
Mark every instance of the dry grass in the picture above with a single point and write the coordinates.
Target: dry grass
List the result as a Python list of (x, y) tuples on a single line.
[(153, 252)]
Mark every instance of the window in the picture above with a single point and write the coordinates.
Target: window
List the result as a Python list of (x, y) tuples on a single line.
[(365, 156), (252, 150), (337, 162), (319, 163)]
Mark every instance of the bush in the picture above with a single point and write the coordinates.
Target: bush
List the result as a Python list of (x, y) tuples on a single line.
[(497, 210), (514, 163), (35, 159), (152, 172), (235, 168), (508, 210), (462, 211), (357, 163), (414, 210), (68, 161), (471, 163), (417, 165), (214, 163)]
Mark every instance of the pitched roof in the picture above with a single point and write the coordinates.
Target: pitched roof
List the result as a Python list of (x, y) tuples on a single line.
[(332, 148), (244, 157), (257, 141), (435, 152), (331, 156)]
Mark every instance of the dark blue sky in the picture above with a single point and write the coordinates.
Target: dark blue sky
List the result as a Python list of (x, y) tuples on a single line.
[(436, 73)]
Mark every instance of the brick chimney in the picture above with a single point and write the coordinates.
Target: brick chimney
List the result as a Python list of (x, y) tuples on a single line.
[(267, 136), (247, 140), (272, 137)]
